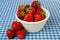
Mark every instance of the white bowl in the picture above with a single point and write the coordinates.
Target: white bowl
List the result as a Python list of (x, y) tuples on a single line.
[(34, 26)]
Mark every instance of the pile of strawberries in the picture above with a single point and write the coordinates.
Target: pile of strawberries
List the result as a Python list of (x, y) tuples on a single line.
[(16, 30), (27, 13), (31, 13)]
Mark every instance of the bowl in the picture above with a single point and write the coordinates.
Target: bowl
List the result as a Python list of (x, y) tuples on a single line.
[(35, 26)]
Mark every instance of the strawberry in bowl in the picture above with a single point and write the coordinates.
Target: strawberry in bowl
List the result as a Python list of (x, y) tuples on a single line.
[(33, 17)]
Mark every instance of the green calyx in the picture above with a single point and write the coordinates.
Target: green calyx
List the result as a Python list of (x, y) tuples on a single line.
[(38, 3), (28, 9), (22, 13), (43, 13)]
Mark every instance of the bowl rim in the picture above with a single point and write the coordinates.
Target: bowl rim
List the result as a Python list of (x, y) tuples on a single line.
[(47, 12)]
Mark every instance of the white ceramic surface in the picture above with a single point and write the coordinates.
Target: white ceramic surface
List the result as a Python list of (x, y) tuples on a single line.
[(35, 26)]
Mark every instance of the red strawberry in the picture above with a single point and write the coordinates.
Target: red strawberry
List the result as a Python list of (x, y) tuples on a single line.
[(30, 10), (10, 34), (39, 10), (38, 17), (21, 8), (36, 4), (20, 14), (21, 34), (16, 26), (28, 17)]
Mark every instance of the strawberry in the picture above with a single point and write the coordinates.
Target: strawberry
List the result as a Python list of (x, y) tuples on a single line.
[(21, 8), (21, 33), (28, 17), (10, 34), (30, 10), (36, 4), (40, 10), (16, 26), (38, 17), (20, 14)]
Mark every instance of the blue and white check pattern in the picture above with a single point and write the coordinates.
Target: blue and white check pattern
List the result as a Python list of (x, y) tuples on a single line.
[(51, 30)]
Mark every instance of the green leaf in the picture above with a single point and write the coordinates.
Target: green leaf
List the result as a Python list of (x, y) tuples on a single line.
[(22, 13), (43, 13), (28, 9)]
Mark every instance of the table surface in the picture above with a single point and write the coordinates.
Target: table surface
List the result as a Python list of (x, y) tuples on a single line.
[(51, 30)]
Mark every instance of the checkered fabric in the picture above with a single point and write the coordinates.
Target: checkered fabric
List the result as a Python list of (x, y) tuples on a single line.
[(51, 30)]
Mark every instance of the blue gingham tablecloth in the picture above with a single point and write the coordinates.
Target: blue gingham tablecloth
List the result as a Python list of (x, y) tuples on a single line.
[(51, 30)]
